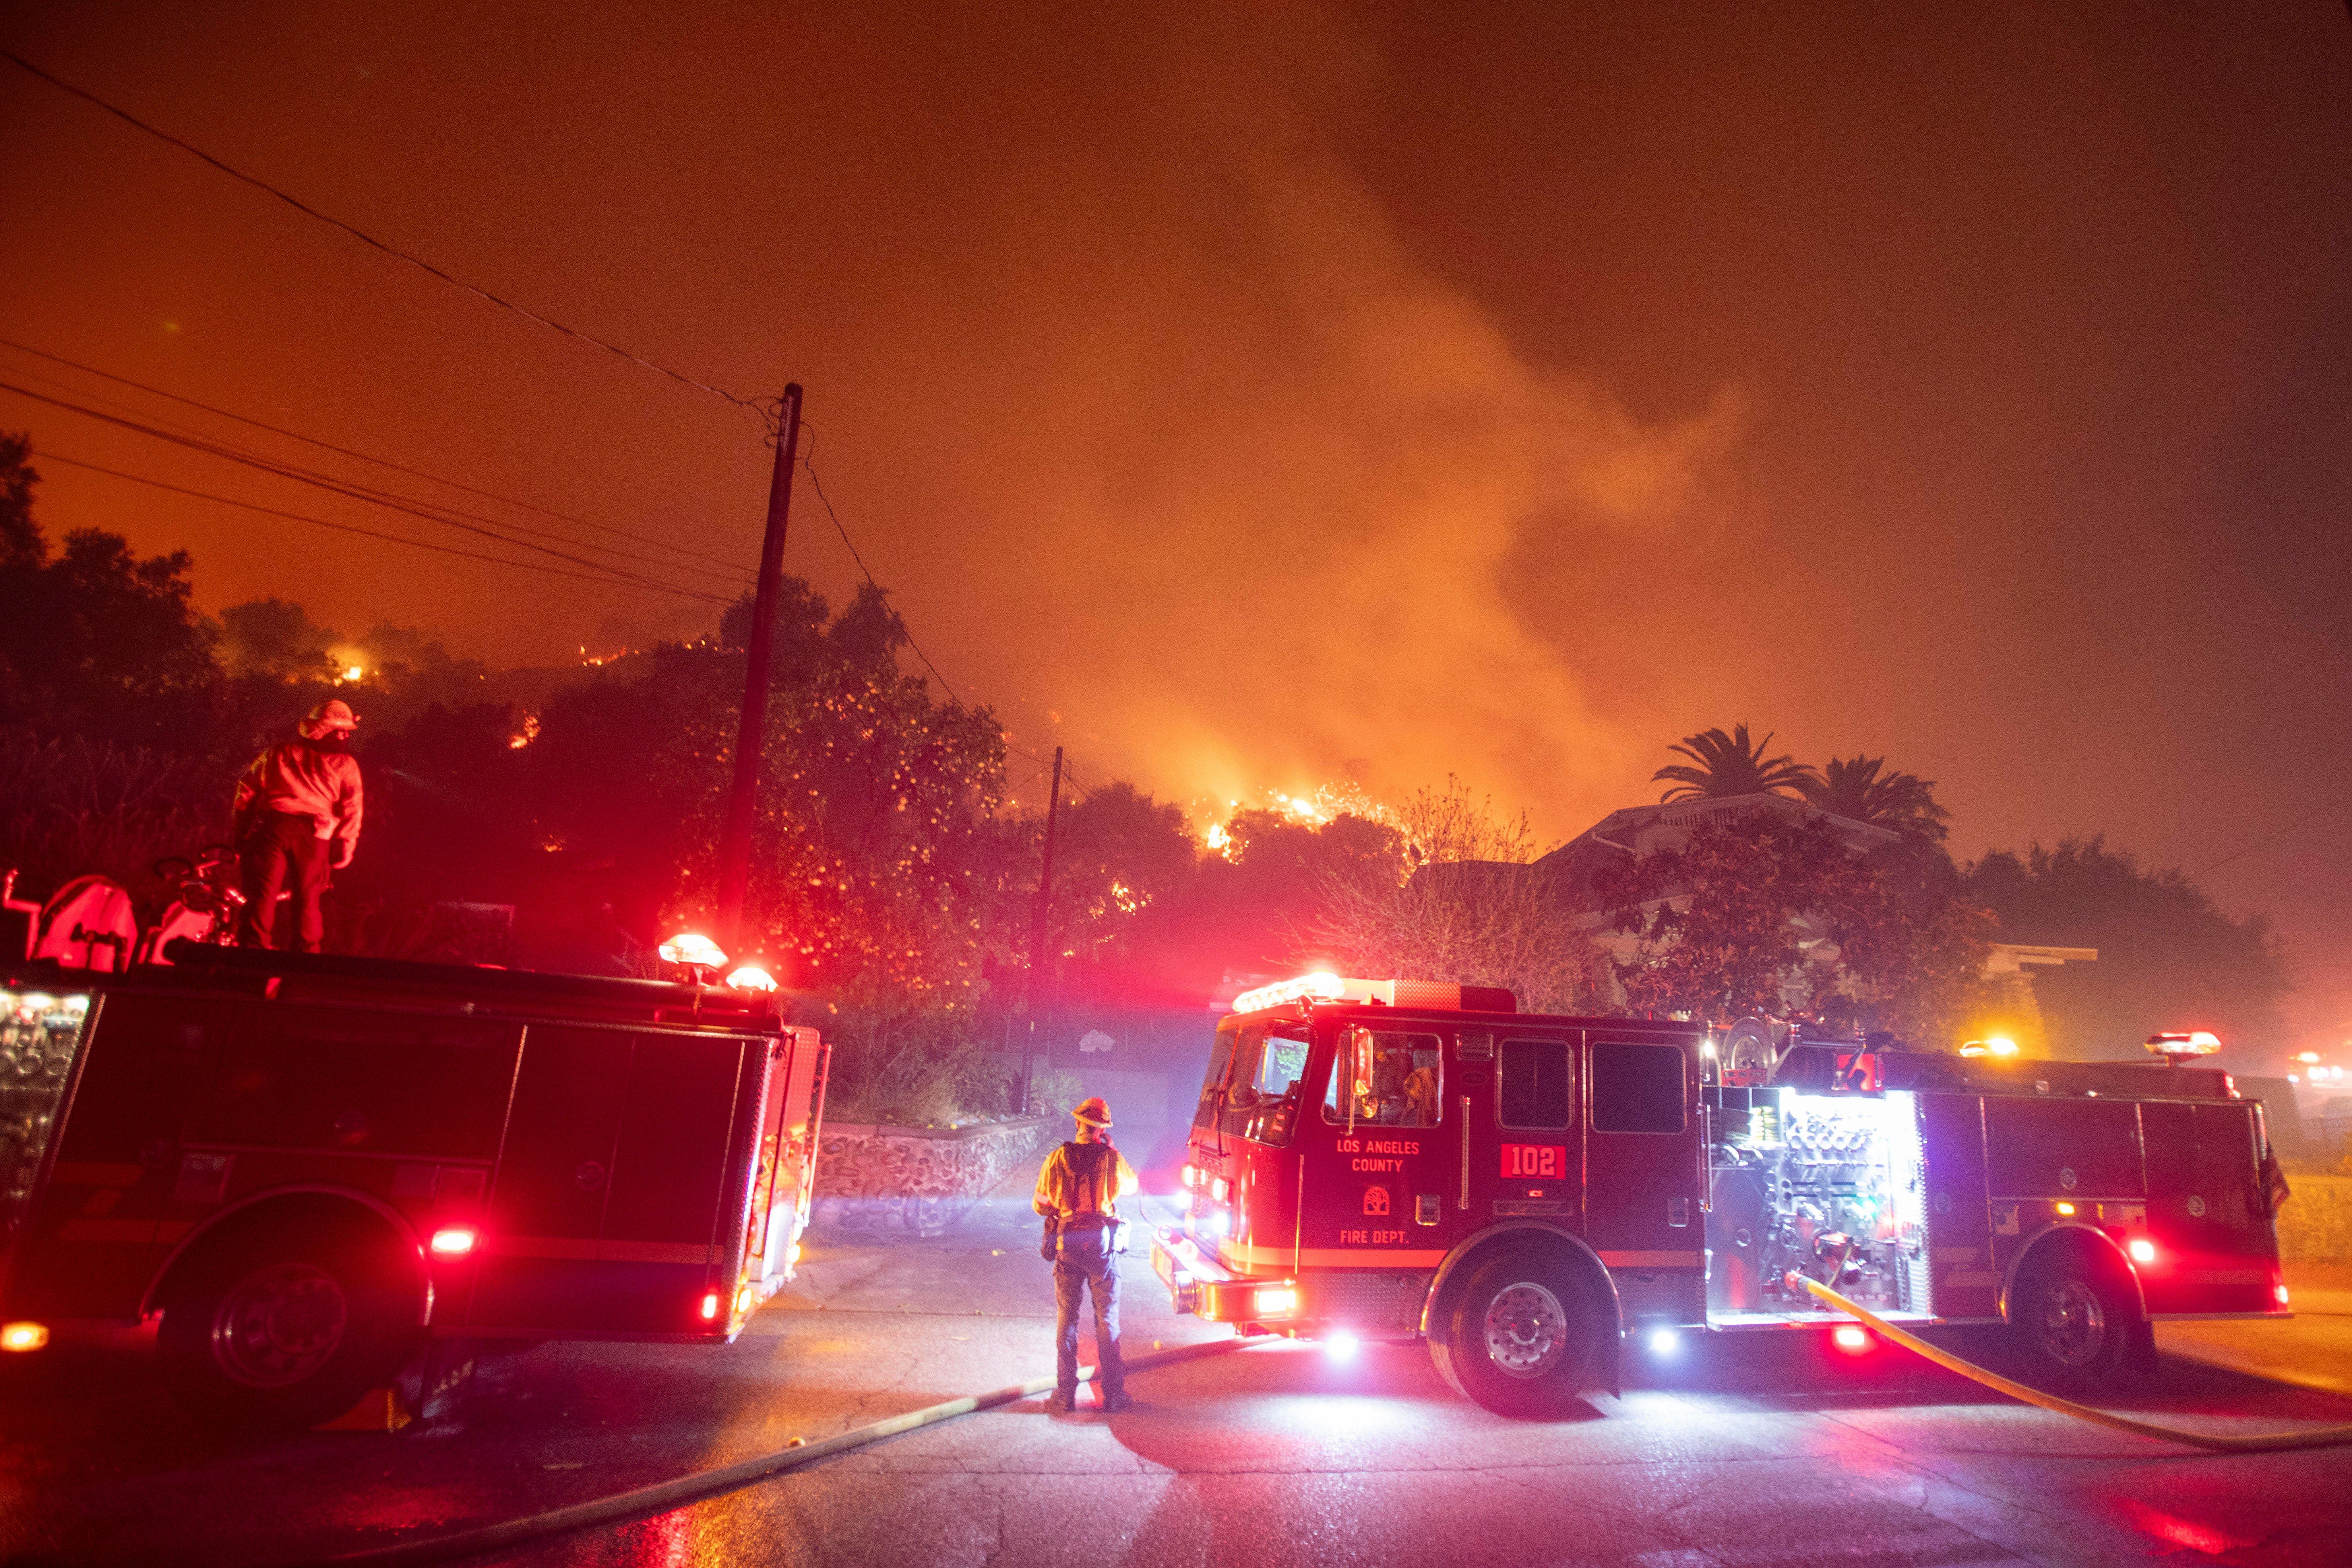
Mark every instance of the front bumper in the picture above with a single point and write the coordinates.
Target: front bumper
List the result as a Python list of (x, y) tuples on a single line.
[(1380, 1304)]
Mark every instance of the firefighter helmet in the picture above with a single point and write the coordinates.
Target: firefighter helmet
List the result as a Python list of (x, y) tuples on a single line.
[(331, 715), (1092, 1112)]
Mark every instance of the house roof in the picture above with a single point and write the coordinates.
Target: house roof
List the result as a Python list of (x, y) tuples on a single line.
[(1667, 825)]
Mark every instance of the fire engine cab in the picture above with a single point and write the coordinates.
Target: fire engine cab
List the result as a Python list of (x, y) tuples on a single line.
[(1403, 1159), (296, 1170)]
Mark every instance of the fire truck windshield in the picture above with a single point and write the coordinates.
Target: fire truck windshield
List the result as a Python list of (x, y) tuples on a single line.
[(1261, 1099)]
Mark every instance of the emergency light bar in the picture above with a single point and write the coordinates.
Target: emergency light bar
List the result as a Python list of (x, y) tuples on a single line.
[(2190, 1043), (1323, 985), (693, 949)]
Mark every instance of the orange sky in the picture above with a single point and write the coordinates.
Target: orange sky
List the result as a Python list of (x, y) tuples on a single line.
[(1270, 392)]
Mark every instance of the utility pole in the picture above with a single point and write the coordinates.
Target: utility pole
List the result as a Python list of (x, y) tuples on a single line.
[(1037, 931), (750, 734)]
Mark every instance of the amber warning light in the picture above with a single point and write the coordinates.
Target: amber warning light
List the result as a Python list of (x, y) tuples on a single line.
[(24, 1336), (2174, 1045)]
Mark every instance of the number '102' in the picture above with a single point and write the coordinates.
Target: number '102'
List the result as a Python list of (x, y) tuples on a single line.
[(1544, 1162)]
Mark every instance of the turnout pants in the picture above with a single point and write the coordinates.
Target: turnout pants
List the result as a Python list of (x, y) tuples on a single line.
[(1082, 1268), (283, 853)]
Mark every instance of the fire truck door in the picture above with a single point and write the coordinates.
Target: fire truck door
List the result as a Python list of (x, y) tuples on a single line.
[(548, 1195), (1376, 1160), (683, 1171), (1525, 1137), (109, 1211), (1963, 1273), (1641, 1152), (2205, 1209)]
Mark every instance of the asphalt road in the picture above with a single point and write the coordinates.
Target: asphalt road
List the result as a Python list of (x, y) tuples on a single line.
[(1741, 1453)]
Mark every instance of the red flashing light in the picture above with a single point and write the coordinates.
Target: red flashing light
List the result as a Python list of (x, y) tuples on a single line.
[(711, 1306), (1851, 1338), (455, 1240), (751, 978), (2141, 1248)]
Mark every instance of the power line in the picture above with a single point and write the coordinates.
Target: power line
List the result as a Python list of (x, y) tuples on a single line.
[(446, 517), (363, 457), (2283, 833), (759, 406), (818, 485), (49, 456)]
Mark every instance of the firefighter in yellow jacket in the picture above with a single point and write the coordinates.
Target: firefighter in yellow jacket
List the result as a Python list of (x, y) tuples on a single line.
[(1078, 1192), (297, 812)]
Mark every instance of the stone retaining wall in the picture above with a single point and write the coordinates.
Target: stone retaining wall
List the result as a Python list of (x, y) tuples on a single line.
[(2314, 1226), (919, 1181)]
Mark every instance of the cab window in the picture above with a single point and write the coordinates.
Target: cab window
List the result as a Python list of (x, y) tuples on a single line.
[(1269, 1060), (1384, 1079), (1535, 1083), (1637, 1088)]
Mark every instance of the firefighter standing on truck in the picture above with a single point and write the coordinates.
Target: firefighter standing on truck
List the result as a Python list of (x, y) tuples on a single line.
[(1078, 1192), (296, 813)]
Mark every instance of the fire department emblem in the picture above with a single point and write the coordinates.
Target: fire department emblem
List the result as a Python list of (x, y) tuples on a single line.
[(2196, 1207), (1376, 1200), (2066, 1179)]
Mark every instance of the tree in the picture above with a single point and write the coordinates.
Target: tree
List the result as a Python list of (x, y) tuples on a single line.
[(1453, 897), (1730, 765), (23, 547), (1716, 919), (1735, 921), (1857, 788), (276, 640), (2169, 957)]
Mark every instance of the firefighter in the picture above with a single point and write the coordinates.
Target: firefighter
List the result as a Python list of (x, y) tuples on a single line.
[(1420, 1094), (296, 815), (1078, 1192)]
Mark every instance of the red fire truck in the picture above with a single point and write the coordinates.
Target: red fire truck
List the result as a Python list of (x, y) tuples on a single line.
[(1401, 1160), (297, 1170)]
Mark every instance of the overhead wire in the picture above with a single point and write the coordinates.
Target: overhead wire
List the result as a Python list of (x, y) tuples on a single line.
[(2258, 843), (354, 451), (47, 456), (768, 408), (808, 463), (447, 516), (203, 442), (762, 406)]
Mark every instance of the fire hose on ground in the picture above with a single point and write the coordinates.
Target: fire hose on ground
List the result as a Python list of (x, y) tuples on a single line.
[(2217, 1442), (664, 1496)]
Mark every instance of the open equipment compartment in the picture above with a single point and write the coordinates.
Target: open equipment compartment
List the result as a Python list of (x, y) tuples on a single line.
[(1826, 1185)]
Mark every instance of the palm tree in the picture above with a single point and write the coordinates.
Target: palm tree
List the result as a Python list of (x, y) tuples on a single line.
[(1855, 786), (1728, 765)]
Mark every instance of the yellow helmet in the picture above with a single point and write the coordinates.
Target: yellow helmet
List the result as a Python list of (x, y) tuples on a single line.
[(1092, 1112)]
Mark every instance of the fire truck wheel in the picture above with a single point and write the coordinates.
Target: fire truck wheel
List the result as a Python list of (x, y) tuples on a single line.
[(2073, 1321), (287, 1327), (1521, 1335)]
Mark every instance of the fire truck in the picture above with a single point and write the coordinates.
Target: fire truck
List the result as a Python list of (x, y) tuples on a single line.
[(1527, 1194), (297, 1171)]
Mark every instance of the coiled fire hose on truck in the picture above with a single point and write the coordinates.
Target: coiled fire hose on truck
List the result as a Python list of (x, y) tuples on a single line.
[(663, 1496), (2219, 1443)]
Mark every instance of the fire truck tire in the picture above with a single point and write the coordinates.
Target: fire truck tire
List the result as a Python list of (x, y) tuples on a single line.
[(1521, 1335), (2072, 1320), (287, 1326)]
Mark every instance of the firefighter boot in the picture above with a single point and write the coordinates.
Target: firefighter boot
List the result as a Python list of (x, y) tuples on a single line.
[(1058, 1402)]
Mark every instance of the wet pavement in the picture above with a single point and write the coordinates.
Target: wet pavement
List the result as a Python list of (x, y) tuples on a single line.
[(1735, 1453)]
